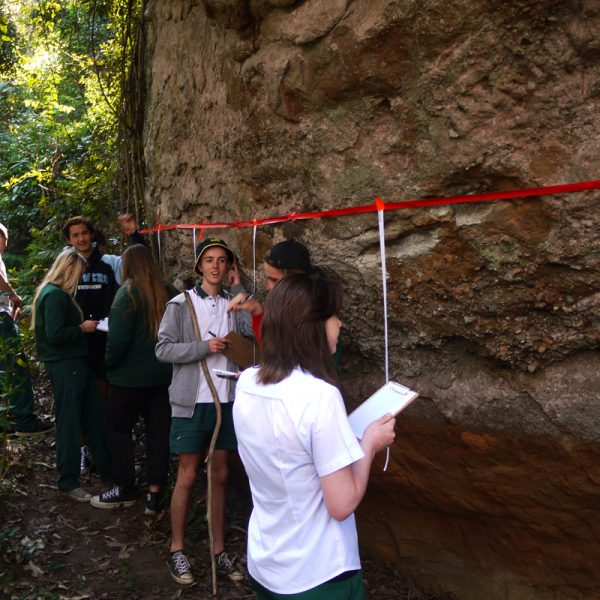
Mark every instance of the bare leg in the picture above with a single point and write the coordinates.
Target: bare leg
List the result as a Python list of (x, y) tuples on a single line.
[(219, 479), (182, 496)]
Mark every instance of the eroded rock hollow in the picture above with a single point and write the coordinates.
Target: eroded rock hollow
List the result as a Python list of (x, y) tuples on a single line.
[(257, 108)]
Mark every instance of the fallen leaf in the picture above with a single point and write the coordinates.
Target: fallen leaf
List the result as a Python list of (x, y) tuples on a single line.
[(35, 570)]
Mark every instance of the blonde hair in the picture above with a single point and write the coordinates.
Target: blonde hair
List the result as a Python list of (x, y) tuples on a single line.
[(65, 272)]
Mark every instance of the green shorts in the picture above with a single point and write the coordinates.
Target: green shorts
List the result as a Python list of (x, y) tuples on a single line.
[(347, 586), (194, 435)]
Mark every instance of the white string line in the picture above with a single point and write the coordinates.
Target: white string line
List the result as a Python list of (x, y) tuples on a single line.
[(194, 244), (254, 278), (254, 258), (380, 221), (160, 260), (384, 282)]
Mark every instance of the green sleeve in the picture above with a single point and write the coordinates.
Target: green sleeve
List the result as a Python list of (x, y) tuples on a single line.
[(59, 318), (121, 327)]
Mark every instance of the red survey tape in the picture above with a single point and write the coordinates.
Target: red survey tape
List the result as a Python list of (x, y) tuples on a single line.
[(380, 205)]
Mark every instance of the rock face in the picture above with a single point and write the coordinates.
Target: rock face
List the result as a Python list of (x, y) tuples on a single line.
[(258, 108)]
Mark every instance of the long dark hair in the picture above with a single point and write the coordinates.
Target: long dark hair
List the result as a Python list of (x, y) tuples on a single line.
[(293, 328), (141, 272)]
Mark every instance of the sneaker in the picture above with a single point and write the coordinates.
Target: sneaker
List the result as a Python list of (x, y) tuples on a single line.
[(152, 500), (226, 566), (117, 497), (179, 567), (37, 426), (84, 461), (78, 495)]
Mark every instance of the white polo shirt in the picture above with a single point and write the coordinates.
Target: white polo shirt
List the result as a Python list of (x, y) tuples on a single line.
[(5, 304), (212, 316), (289, 435)]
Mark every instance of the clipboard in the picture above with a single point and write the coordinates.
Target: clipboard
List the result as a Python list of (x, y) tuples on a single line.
[(241, 351), (390, 398)]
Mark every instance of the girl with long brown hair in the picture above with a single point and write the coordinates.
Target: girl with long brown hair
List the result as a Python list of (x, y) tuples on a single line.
[(307, 470), (138, 382)]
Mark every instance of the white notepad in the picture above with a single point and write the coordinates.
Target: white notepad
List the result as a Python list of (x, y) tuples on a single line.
[(390, 398), (102, 325)]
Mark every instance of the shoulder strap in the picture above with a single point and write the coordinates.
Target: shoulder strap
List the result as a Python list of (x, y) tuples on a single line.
[(205, 370), (211, 447)]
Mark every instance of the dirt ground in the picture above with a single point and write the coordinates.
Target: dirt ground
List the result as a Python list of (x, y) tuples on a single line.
[(52, 548)]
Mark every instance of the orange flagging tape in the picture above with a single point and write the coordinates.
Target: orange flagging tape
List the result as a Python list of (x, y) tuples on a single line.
[(379, 204)]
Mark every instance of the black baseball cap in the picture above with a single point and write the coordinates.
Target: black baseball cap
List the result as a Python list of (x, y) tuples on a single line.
[(290, 255), (203, 246)]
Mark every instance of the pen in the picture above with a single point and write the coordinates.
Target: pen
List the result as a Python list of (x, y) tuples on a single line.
[(211, 333)]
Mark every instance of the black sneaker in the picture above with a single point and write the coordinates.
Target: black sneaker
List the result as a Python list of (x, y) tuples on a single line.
[(226, 566), (179, 567), (152, 501), (37, 426), (115, 498)]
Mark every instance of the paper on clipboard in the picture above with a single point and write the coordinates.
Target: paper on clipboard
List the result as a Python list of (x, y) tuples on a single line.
[(390, 398), (241, 351)]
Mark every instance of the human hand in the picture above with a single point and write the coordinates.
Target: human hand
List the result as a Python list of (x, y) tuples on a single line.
[(246, 303), (379, 434), (15, 298), (88, 326), (233, 277), (217, 344), (127, 223)]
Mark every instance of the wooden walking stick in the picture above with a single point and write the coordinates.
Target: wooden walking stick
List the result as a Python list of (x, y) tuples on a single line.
[(211, 447)]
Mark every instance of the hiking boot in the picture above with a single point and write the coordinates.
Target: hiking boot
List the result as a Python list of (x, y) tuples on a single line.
[(118, 497), (226, 566), (37, 426), (78, 495), (179, 567), (152, 502)]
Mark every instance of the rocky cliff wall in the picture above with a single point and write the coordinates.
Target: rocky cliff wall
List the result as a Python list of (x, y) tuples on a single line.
[(260, 107)]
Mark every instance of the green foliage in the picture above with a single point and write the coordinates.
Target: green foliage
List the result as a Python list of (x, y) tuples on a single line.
[(8, 43), (59, 141), (64, 67)]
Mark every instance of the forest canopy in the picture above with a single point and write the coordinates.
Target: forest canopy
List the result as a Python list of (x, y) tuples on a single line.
[(66, 119)]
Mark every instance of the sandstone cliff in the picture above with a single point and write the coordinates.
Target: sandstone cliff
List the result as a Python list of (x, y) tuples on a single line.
[(261, 107)]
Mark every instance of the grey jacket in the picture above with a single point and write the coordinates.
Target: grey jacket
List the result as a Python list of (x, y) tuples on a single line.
[(177, 345)]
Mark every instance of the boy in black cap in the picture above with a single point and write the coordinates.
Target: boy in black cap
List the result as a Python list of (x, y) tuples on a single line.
[(283, 259), (286, 258), (192, 395)]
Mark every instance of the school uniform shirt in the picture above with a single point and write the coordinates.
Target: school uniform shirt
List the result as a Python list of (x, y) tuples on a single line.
[(289, 435), (212, 316), (57, 320), (5, 304), (130, 357)]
